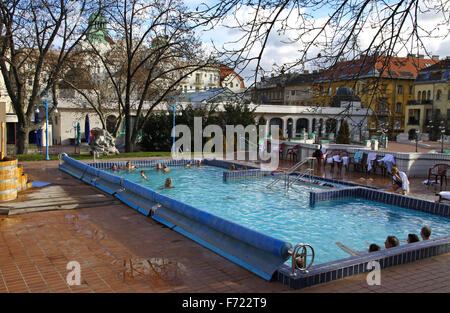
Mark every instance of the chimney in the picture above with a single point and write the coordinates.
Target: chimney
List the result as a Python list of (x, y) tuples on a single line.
[(305, 72), (435, 57), (420, 56)]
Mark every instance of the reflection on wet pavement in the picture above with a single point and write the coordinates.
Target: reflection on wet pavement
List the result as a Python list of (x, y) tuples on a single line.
[(80, 225), (158, 271)]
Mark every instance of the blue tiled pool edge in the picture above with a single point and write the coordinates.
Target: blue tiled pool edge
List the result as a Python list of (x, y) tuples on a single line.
[(328, 271), (437, 208), (355, 265)]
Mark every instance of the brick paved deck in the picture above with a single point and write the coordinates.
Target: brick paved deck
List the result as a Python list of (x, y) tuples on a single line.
[(121, 250)]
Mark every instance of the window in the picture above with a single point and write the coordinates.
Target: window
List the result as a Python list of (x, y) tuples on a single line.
[(410, 90), (438, 95), (292, 92), (428, 95), (400, 90), (419, 96), (413, 117), (399, 107)]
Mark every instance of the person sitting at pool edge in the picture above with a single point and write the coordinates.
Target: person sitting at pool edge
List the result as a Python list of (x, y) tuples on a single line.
[(166, 169), (391, 241), (413, 238), (425, 232), (374, 247), (143, 175), (399, 180), (168, 183)]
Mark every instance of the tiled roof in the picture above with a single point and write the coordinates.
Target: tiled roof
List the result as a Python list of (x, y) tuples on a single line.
[(372, 66), (437, 72), (225, 71)]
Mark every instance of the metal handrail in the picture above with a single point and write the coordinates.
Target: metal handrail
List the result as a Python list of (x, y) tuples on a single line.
[(308, 171), (288, 172), (303, 257)]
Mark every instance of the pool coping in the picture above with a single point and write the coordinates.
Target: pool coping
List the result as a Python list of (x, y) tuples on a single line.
[(355, 265)]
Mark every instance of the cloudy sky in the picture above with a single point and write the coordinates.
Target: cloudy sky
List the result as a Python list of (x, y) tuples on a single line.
[(278, 51)]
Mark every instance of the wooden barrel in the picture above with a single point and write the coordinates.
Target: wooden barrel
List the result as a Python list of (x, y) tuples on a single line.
[(8, 179)]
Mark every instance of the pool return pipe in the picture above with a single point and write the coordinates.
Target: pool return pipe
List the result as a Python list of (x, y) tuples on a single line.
[(257, 252)]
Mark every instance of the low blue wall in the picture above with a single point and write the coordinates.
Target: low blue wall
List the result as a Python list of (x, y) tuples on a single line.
[(442, 209), (259, 253), (227, 175)]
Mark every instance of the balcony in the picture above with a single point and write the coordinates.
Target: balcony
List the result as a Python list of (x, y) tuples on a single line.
[(420, 102)]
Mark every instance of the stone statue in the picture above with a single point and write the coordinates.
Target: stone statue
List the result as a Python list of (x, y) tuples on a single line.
[(102, 142)]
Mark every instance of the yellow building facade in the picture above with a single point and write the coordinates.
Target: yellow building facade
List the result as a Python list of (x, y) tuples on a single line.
[(432, 98), (384, 86)]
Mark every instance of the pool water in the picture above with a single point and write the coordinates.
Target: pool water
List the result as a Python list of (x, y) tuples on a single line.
[(286, 215)]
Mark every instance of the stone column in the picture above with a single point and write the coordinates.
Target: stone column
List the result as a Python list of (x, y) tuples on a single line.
[(310, 130), (294, 126)]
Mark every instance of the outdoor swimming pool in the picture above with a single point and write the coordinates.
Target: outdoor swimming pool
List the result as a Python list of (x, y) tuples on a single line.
[(286, 215)]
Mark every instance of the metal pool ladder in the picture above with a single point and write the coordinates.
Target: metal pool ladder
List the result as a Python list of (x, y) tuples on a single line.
[(286, 174), (300, 259)]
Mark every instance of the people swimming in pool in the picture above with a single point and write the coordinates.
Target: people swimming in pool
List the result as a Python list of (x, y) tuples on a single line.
[(413, 238), (168, 183), (143, 175), (158, 167), (130, 167), (115, 168), (188, 164), (374, 247), (391, 241), (347, 249), (425, 232), (165, 169), (199, 162), (232, 167)]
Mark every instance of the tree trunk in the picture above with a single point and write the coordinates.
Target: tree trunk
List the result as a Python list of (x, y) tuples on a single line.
[(22, 139)]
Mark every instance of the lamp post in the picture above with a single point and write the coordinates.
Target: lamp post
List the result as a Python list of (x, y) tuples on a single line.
[(383, 129), (174, 107), (442, 129), (45, 103), (417, 138)]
